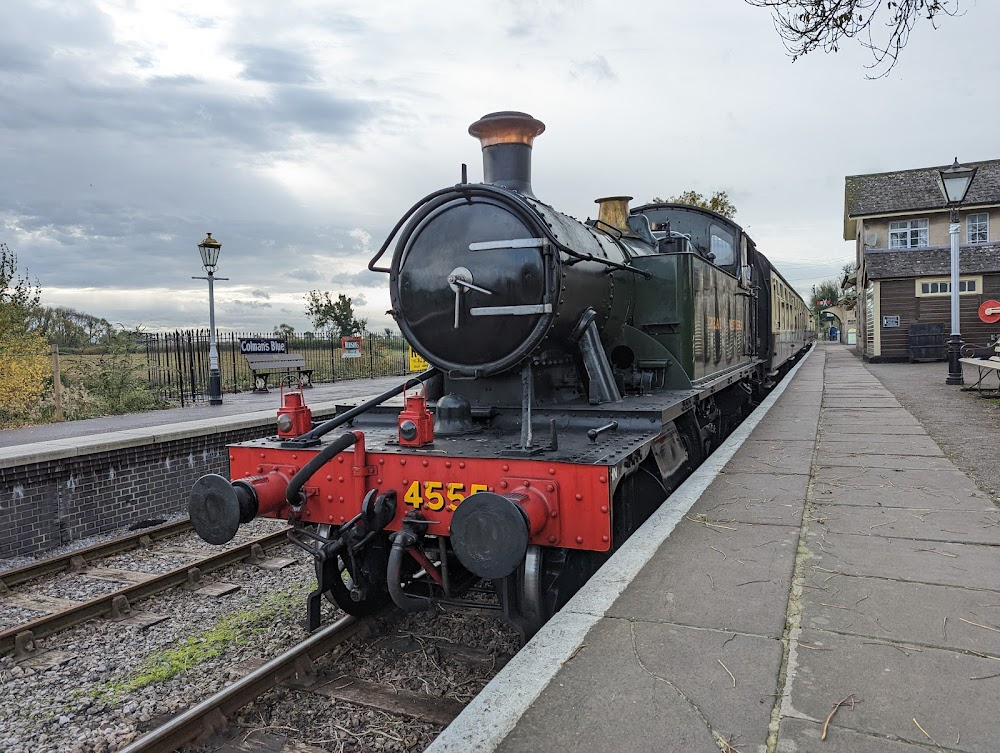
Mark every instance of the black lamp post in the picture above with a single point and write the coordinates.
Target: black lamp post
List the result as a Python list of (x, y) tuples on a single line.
[(954, 184), (209, 250)]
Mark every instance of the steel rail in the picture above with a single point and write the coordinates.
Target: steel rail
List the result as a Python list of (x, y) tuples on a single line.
[(212, 714), (64, 562), (105, 604)]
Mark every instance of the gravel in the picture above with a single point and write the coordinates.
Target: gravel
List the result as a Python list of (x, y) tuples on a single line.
[(9, 563), (142, 561), (12, 616), (76, 586)]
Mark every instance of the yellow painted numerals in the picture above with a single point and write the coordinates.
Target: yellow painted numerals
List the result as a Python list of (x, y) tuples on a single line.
[(436, 494)]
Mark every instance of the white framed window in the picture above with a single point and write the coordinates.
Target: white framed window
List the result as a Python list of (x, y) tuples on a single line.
[(977, 227), (908, 234), (931, 286)]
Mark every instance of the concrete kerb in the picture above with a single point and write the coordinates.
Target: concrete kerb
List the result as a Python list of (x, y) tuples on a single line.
[(57, 449), (492, 714)]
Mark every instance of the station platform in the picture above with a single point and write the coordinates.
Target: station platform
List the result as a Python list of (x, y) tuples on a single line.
[(827, 573)]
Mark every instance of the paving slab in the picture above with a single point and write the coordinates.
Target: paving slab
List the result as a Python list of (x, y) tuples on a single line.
[(793, 427), (965, 526), (652, 687), (836, 443), (851, 429), (869, 416), (870, 403), (896, 687), (800, 736), (889, 462), (911, 615), (941, 563), (785, 456), (944, 482), (891, 489), (740, 581), (754, 498)]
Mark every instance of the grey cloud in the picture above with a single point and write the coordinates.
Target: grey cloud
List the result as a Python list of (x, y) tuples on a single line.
[(359, 300), (241, 305), (259, 293), (521, 29), (308, 275), (321, 111), (363, 279), (275, 65), (179, 107), (597, 68), (18, 59), (197, 22)]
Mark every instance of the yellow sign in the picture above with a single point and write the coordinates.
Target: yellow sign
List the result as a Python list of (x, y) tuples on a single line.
[(417, 362)]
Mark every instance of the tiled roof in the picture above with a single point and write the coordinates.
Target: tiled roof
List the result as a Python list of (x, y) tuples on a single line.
[(922, 262), (915, 190)]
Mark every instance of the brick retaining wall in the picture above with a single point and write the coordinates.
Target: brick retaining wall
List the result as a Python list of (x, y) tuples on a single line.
[(47, 502)]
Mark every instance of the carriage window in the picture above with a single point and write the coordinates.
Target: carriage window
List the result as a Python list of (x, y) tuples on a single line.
[(722, 246)]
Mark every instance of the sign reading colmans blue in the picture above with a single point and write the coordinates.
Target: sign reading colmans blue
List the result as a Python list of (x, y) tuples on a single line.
[(263, 345)]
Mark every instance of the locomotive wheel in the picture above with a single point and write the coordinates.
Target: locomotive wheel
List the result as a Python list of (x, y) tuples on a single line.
[(542, 585), (340, 583), (340, 586)]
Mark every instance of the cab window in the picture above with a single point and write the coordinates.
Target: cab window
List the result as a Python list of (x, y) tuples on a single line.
[(722, 246)]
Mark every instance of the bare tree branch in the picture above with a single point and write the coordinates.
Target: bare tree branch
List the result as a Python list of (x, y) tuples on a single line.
[(809, 25)]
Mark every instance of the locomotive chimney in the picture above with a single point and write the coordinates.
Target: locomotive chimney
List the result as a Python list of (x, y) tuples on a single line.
[(614, 212), (506, 138)]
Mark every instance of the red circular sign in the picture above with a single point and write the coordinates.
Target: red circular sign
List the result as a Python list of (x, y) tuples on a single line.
[(989, 312)]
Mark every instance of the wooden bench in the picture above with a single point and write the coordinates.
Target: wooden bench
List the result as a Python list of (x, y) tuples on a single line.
[(985, 366), (263, 365)]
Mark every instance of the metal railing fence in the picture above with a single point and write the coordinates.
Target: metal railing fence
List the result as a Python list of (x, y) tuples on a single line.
[(177, 362)]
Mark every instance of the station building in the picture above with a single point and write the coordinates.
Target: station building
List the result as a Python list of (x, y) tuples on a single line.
[(900, 225)]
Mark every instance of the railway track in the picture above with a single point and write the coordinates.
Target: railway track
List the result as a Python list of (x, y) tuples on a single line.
[(60, 614), (312, 669), (64, 562), (210, 715)]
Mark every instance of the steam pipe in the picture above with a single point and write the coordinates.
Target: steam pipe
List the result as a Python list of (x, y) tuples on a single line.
[(394, 571), (343, 418)]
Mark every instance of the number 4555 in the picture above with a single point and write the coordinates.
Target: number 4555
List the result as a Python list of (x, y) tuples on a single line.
[(435, 494)]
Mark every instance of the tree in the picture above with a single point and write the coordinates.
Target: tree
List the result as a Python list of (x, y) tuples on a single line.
[(23, 362), (809, 25), (284, 330), (69, 328), (334, 316), (719, 202)]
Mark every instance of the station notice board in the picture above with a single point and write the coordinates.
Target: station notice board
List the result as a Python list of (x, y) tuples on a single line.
[(350, 347)]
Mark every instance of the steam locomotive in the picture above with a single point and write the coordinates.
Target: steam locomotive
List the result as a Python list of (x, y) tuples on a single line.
[(579, 372)]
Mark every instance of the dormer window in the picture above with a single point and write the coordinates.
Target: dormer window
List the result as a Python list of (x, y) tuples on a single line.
[(908, 234)]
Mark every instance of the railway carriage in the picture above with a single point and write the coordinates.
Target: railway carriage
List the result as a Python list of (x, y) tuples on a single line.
[(579, 372)]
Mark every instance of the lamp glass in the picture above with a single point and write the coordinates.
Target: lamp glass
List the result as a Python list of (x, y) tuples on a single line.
[(955, 181), (209, 250)]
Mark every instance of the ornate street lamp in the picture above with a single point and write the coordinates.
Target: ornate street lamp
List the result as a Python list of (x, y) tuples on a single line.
[(209, 250), (954, 184)]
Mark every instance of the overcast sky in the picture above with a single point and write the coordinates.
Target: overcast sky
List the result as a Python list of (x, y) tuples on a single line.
[(299, 132)]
